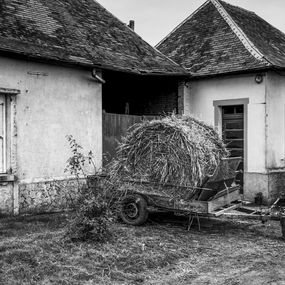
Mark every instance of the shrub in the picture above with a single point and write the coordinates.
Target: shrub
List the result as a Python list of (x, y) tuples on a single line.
[(93, 216), (91, 222)]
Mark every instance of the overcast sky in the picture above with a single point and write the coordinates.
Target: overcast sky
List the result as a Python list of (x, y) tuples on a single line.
[(156, 18)]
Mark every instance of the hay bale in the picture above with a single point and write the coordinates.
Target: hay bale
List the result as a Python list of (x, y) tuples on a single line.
[(172, 150)]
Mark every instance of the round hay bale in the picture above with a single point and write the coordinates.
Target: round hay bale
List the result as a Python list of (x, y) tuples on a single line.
[(172, 150)]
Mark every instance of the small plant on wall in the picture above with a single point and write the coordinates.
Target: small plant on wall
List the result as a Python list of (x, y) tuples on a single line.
[(77, 161)]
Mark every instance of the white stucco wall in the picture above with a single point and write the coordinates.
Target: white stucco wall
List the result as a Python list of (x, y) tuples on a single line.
[(204, 92), (275, 120), (54, 101)]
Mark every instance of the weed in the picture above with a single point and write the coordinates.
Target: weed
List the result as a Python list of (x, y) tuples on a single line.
[(93, 214)]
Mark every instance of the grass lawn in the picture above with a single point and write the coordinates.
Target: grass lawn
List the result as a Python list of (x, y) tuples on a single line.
[(32, 251)]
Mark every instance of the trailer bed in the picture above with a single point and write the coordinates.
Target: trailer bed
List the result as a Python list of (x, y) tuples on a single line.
[(217, 194)]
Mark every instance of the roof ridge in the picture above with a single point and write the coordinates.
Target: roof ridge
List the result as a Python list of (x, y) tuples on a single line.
[(247, 43), (183, 22), (241, 8), (113, 15), (256, 15), (131, 30)]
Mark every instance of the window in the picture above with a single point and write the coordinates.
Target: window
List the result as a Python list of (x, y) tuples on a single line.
[(3, 133), (233, 110), (8, 134)]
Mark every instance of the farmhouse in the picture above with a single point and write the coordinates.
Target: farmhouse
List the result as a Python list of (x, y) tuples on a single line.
[(61, 63), (237, 63)]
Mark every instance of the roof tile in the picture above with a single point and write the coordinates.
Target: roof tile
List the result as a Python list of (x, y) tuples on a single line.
[(205, 44), (269, 40), (77, 32)]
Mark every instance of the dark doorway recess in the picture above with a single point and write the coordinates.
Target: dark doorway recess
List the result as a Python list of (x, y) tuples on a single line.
[(233, 133)]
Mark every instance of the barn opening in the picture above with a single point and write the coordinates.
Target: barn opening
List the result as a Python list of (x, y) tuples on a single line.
[(130, 98), (132, 94)]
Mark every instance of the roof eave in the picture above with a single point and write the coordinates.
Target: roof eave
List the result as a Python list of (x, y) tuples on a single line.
[(38, 58), (235, 72), (141, 72), (85, 65)]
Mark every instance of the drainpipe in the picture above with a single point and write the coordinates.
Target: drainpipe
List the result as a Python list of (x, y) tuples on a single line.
[(266, 133)]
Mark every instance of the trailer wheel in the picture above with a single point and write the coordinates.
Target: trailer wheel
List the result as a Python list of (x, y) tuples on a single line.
[(282, 222), (134, 210)]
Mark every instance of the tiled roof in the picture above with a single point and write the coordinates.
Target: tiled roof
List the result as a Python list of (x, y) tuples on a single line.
[(78, 32), (269, 40), (220, 38)]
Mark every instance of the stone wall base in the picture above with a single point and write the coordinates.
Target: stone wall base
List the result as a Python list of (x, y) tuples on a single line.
[(6, 198), (60, 195), (276, 185), (271, 185), (49, 196)]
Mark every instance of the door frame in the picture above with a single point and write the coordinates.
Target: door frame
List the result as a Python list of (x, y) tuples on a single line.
[(218, 120)]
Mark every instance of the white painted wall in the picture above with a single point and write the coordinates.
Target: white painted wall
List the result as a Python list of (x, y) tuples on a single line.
[(275, 120), (204, 92), (59, 101)]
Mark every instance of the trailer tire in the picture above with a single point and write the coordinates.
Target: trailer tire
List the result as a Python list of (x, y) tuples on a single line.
[(282, 223), (133, 210)]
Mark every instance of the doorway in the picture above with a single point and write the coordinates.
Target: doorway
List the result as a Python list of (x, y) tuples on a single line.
[(233, 133)]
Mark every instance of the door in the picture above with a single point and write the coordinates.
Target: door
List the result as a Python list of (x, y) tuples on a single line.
[(233, 133)]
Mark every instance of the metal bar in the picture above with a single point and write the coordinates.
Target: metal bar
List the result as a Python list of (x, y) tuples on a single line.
[(221, 212)]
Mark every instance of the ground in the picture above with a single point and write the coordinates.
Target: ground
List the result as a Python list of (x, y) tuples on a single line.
[(224, 251)]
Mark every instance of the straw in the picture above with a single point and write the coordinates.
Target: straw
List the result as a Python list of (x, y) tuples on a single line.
[(173, 150)]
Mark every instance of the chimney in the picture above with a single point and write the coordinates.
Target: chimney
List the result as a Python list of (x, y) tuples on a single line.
[(132, 24)]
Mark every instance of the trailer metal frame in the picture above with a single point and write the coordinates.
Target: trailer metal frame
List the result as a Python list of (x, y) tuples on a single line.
[(217, 194)]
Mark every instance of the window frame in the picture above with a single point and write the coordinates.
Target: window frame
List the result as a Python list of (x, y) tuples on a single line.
[(218, 114), (10, 134)]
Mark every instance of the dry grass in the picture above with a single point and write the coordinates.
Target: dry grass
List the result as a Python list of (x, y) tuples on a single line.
[(223, 252), (176, 150)]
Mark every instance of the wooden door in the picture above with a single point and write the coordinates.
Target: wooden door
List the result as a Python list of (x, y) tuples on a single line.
[(233, 133), (115, 126)]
